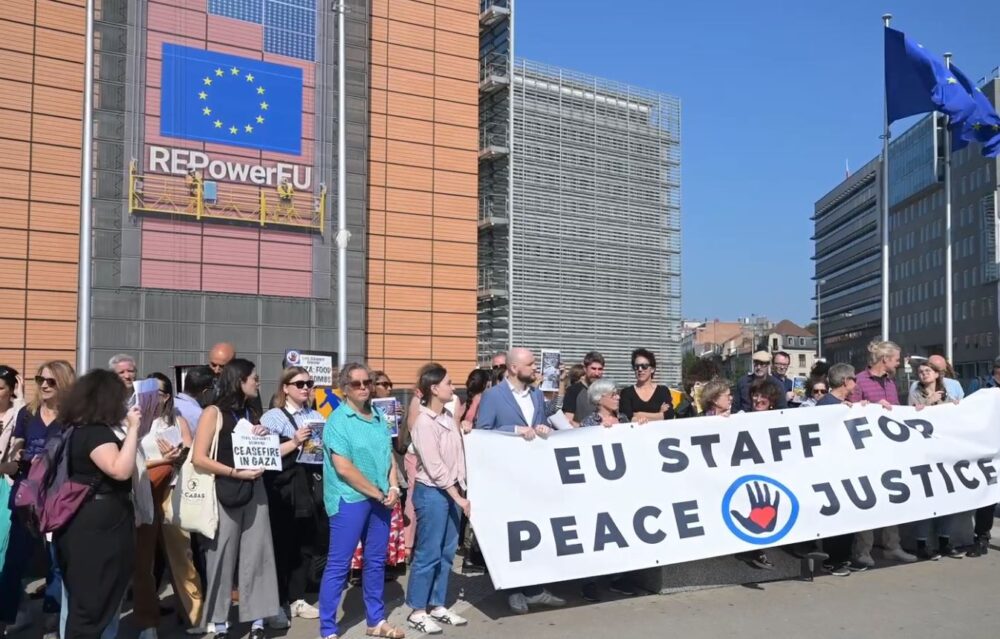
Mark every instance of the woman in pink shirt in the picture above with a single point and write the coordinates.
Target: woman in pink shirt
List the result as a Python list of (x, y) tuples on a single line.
[(439, 500)]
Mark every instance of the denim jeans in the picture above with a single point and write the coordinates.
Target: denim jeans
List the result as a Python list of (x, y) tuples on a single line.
[(438, 521), (366, 521), (941, 526)]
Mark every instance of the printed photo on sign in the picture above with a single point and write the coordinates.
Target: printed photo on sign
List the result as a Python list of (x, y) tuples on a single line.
[(392, 410), (551, 361), (253, 452), (312, 450)]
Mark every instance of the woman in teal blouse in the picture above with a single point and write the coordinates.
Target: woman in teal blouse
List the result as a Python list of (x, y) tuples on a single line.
[(359, 491)]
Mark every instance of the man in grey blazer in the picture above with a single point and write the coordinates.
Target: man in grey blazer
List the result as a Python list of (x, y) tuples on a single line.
[(515, 406)]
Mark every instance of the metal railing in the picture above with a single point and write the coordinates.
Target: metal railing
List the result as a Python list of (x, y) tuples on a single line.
[(185, 196)]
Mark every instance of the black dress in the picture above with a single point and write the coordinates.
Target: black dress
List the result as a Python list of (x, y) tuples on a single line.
[(631, 403), (96, 550)]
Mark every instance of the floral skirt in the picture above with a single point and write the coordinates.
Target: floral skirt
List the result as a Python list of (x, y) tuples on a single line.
[(396, 553)]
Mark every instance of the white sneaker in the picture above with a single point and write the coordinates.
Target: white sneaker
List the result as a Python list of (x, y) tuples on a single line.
[(448, 617), (279, 621), (898, 554), (422, 622), (865, 560), (546, 598), (148, 633), (301, 609)]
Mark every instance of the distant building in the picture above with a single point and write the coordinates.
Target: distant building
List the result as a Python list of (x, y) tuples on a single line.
[(799, 343)]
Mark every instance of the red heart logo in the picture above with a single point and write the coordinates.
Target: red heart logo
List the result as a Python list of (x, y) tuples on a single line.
[(763, 516)]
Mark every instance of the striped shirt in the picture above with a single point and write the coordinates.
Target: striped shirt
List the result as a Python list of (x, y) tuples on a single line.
[(875, 388), (276, 422)]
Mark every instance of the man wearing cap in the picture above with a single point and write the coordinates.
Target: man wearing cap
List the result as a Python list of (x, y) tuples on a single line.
[(761, 369)]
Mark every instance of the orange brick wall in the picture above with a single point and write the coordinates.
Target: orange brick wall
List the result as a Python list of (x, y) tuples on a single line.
[(41, 104), (423, 181)]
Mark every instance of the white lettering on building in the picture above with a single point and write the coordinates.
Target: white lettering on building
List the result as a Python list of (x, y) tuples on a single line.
[(180, 161)]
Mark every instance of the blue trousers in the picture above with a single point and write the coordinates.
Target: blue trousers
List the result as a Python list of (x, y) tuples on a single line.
[(21, 548), (366, 521), (438, 521)]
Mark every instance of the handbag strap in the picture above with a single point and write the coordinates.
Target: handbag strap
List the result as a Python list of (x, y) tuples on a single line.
[(291, 419), (214, 452)]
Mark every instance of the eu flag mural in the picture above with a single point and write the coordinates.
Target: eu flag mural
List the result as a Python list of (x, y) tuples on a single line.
[(217, 97), (983, 126), (917, 81)]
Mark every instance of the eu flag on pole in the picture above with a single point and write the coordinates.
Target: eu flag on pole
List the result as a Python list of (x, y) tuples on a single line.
[(919, 82), (228, 99), (984, 124)]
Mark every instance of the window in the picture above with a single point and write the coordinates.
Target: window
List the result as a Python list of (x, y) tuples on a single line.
[(802, 360), (774, 344)]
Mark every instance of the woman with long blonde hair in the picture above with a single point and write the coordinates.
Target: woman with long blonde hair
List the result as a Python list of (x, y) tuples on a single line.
[(35, 423)]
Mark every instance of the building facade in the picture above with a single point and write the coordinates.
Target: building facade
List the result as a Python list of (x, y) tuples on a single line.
[(799, 343), (917, 253), (848, 266), (588, 256), (214, 222)]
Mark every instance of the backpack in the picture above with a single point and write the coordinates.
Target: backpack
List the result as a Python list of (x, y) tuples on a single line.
[(48, 498)]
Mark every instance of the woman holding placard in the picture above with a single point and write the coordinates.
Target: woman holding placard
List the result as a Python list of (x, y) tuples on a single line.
[(439, 499), (164, 448), (243, 537), (289, 492)]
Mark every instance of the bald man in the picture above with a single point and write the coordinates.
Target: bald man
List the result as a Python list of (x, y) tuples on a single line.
[(951, 386), (220, 355), (515, 406)]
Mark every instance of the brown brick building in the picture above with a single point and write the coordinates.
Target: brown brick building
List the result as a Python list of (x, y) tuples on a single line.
[(181, 261)]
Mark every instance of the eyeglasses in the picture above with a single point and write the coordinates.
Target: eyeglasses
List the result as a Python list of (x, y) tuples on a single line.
[(302, 383), (498, 367), (819, 391), (384, 384), (358, 384), (641, 367), (756, 363), (760, 400), (41, 381)]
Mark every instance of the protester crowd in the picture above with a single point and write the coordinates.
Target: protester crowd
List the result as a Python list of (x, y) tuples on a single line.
[(129, 484)]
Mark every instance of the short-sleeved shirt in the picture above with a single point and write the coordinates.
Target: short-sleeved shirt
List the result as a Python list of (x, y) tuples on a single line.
[(569, 399), (30, 427), (366, 443), (875, 388), (83, 441), (631, 403)]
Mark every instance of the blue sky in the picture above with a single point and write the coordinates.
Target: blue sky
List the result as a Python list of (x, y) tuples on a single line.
[(775, 96)]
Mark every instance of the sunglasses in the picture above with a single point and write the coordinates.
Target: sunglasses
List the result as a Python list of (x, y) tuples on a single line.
[(819, 391), (302, 383), (642, 367), (761, 363), (41, 380), (358, 384), (387, 385)]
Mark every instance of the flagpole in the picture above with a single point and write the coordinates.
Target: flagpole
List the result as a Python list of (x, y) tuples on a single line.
[(949, 307), (343, 235), (885, 205), (86, 184)]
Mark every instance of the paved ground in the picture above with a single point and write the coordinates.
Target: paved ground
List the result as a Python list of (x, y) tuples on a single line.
[(929, 599)]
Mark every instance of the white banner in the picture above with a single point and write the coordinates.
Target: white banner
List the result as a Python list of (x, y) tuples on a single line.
[(596, 501)]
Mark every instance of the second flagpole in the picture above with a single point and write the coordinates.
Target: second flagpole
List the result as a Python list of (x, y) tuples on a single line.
[(885, 209), (949, 305)]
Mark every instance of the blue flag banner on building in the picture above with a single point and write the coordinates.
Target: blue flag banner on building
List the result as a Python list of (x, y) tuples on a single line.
[(228, 99), (917, 81), (984, 124)]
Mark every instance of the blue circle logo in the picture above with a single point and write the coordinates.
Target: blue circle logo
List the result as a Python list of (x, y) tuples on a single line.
[(761, 514)]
